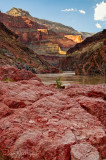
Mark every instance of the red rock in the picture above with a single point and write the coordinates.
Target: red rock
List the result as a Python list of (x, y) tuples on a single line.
[(97, 94), (40, 122), (4, 110), (13, 74), (40, 37), (13, 53), (84, 151), (92, 106)]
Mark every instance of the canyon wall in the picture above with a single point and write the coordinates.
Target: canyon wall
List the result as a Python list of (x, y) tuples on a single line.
[(40, 35), (88, 57), (77, 38), (14, 53)]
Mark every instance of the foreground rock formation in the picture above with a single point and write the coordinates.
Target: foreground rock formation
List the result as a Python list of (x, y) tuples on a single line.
[(39, 122), (14, 53), (88, 57)]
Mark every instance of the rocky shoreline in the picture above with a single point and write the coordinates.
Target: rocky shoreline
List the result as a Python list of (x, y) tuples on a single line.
[(39, 122)]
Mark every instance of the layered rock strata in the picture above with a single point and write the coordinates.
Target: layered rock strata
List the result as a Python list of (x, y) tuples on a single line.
[(14, 53), (88, 57), (40, 35)]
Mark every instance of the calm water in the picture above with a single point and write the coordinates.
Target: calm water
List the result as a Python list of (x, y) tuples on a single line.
[(68, 78)]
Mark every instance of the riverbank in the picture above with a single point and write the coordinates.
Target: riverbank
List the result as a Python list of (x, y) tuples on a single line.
[(69, 77)]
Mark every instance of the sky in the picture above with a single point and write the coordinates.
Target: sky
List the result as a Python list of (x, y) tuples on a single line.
[(82, 15)]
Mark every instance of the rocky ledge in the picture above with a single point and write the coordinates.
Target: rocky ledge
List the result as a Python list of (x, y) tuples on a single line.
[(39, 122)]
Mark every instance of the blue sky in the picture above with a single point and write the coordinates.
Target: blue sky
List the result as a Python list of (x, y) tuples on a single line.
[(82, 15)]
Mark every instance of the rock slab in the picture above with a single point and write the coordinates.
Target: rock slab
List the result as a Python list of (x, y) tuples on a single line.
[(39, 122)]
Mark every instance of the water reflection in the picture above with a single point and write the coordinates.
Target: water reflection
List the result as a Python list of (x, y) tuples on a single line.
[(70, 78)]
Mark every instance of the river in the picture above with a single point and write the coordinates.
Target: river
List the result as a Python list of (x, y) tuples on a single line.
[(68, 78)]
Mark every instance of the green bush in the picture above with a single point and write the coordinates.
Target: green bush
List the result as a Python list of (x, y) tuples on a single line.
[(20, 60), (58, 82), (8, 79)]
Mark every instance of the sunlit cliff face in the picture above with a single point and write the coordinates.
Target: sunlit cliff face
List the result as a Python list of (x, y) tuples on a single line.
[(43, 30), (77, 39), (27, 21), (53, 44), (18, 12), (61, 52)]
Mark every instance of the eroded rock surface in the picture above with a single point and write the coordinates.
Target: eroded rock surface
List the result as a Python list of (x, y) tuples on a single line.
[(84, 151), (13, 74), (39, 122)]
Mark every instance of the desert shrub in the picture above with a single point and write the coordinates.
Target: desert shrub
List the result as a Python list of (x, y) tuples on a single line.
[(2, 51), (8, 79), (20, 60), (58, 82)]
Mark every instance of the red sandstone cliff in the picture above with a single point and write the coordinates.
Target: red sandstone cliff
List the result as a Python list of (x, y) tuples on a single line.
[(14, 53), (39, 35)]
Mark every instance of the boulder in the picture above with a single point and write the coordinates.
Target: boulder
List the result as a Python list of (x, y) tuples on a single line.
[(10, 73)]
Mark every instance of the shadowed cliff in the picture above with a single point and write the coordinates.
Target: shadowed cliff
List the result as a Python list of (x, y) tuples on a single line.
[(12, 52), (88, 57)]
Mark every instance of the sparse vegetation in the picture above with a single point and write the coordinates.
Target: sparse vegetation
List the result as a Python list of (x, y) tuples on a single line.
[(8, 79), (20, 60), (58, 82), (2, 51)]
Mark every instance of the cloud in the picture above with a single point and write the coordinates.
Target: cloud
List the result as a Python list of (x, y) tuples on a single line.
[(73, 10), (100, 12), (69, 10), (82, 11), (98, 25)]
